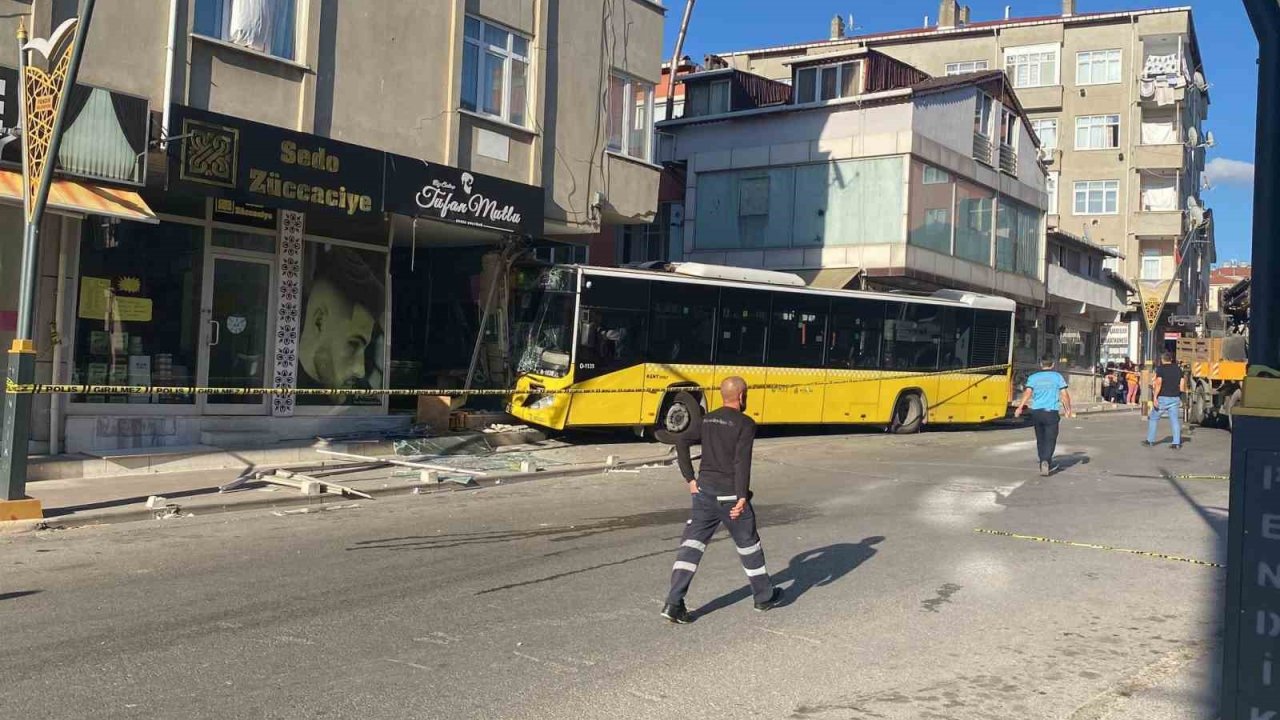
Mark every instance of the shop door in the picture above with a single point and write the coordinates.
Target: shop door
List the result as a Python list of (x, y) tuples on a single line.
[(238, 324)]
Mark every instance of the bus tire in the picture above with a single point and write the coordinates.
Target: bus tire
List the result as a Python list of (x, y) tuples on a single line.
[(1197, 404), (908, 414), (680, 416)]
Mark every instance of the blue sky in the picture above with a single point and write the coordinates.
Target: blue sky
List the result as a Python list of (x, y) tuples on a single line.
[(1227, 44)]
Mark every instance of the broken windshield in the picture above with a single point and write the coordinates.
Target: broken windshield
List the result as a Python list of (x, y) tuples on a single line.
[(544, 316)]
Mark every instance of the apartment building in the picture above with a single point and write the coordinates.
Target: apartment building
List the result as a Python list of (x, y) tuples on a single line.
[(1118, 102), (315, 194)]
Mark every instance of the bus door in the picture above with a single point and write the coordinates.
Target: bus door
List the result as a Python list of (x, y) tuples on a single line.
[(989, 390), (612, 332), (854, 337), (741, 331), (797, 336)]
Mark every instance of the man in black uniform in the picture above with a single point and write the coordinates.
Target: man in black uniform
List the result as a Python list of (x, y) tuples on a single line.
[(721, 494)]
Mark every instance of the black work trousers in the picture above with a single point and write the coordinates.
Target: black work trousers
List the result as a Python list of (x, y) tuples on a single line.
[(1046, 425), (708, 512)]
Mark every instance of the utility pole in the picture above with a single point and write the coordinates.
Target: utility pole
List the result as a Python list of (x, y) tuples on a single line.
[(43, 109), (1251, 663), (675, 57)]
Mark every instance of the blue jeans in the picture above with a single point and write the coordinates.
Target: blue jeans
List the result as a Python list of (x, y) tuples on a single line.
[(1172, 408)]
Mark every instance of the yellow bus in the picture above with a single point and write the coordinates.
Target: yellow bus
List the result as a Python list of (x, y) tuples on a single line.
[(653, 339)]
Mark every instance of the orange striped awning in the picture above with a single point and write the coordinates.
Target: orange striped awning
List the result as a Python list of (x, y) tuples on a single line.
[(83, 197)]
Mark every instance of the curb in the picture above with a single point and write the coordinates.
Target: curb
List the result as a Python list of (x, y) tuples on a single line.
[(130, 514)]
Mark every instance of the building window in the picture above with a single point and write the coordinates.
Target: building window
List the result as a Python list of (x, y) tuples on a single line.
[(1033, 66), (1097, 197), (562, 254), (1046, 131), (1158, 191), (828, 82), (1051, 188), (753, 210), (1151, 262), (1111, 262), (968, 66), (975, 221), (935, 176), (1097, 132), (982, 115), (630, 116), (1098, 67), (266, 26), (1008, 128), (495, 71), (719, 97), (648, 243)]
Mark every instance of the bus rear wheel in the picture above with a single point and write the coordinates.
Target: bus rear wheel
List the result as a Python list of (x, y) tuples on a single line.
[(681, 414), (908, 414)]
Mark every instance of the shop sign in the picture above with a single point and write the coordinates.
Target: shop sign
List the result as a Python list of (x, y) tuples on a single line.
[(260, 164), (448, 194), (229, 211), (106, 136)]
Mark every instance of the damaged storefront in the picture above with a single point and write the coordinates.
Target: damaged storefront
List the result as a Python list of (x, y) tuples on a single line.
[(282, 260)]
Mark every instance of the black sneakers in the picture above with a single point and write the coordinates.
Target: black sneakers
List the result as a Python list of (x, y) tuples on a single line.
[(1148, 443), (774, 600), (1176, 447), (677, 614)]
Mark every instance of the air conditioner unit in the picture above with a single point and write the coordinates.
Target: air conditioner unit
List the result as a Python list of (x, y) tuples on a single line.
[(1047, 155)]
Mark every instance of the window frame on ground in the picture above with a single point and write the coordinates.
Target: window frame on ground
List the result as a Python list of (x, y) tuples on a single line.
[(478, 47)]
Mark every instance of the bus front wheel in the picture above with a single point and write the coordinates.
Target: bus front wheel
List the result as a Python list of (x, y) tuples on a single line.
[(908, 414), (680, 416)]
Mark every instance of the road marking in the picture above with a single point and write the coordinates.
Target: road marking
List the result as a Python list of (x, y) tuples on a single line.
[(789, 635), (540, 661), (1095, 546), (437, 638), (406, 662)]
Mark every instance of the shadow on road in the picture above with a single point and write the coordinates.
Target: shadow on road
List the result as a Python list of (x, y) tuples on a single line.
[(1068, 461), (809, 569), (120, 502), (17, 594)]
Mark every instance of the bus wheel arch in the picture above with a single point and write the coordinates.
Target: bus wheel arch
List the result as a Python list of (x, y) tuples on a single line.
[(681, 410), (910, 409)]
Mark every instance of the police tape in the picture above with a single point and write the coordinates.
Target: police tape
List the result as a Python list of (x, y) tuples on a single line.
[(49, 389), (1095, 546)]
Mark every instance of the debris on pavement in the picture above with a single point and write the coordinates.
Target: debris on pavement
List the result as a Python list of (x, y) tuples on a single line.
[(314, 509)]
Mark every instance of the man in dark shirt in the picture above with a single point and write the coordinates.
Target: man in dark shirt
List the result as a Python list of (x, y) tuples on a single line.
[(721, 494), (1168, 386)]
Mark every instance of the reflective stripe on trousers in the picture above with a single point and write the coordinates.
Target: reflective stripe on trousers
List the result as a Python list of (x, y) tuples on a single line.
[(707, 515)]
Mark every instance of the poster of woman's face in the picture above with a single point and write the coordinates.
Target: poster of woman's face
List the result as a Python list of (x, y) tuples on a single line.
[(340, 345)]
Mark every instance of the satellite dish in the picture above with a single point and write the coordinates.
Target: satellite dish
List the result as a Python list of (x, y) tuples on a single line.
[(1205, 184), (1192, 203), (1193, 136), (1208, 139), (1199, 82), (1197, 216)]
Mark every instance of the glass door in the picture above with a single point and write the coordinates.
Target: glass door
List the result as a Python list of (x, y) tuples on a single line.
[(238, 325)]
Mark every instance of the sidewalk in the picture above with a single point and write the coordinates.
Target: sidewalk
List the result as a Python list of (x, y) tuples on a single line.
[(123, 498)]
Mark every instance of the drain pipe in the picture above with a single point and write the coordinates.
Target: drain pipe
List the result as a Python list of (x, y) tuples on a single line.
[(169, 60), (57, 401)]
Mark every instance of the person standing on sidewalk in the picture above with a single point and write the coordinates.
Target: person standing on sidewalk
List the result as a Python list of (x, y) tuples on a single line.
[(1168, 386), (1133, 381), (1047, 395), (721, 494)]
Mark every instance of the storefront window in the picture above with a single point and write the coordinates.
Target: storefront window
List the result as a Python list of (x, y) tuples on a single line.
[(138, 309), (340, 344)]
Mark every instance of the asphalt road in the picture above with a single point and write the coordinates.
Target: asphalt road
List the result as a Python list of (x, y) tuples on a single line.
[(541, 600)]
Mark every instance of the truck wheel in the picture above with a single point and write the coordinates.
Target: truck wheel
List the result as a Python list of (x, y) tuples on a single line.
[(679, 418), (908, 414), (1196, 406)]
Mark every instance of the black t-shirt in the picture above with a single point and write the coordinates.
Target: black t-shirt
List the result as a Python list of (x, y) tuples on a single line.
[(1170, 380)]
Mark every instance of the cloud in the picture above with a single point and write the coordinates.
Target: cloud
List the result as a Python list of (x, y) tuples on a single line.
[(1222, 171)]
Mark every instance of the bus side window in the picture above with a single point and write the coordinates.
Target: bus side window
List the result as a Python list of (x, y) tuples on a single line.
[(743, 327), (797, 331), (855, 334), (682, 328), (612, 325)]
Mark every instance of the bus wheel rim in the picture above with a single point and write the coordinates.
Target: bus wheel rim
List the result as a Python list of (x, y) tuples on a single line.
[(677, 418)]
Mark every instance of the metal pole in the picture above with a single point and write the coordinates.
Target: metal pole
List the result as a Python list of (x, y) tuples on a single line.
[(675, 57), (22, 355)]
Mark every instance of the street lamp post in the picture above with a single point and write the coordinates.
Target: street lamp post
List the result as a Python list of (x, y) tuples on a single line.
[(42, 114)]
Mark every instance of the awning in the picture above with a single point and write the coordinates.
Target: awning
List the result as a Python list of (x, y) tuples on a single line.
[(82, 198), (837, 278)]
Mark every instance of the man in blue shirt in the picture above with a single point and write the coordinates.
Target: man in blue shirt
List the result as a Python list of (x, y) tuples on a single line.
[(1047, 394)]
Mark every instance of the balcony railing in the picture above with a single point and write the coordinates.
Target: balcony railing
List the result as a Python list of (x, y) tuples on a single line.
[(1008, 160), (982, 148)]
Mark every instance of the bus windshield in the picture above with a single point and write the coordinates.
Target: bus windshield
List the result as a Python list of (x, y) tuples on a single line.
[(544, 323)]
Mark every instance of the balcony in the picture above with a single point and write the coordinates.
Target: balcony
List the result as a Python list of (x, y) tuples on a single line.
[(1008, 160), (1158, 223), (1048, 97), (1159, 157), (982, 149), (1098, 295)]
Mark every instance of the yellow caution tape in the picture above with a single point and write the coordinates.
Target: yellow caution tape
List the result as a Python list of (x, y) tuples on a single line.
[(41, 389), (1201, 477), (1095, 546)]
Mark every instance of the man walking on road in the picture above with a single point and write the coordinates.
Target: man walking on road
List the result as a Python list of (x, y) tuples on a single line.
[(1047, 394), (1168, 386), (721, 494)]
